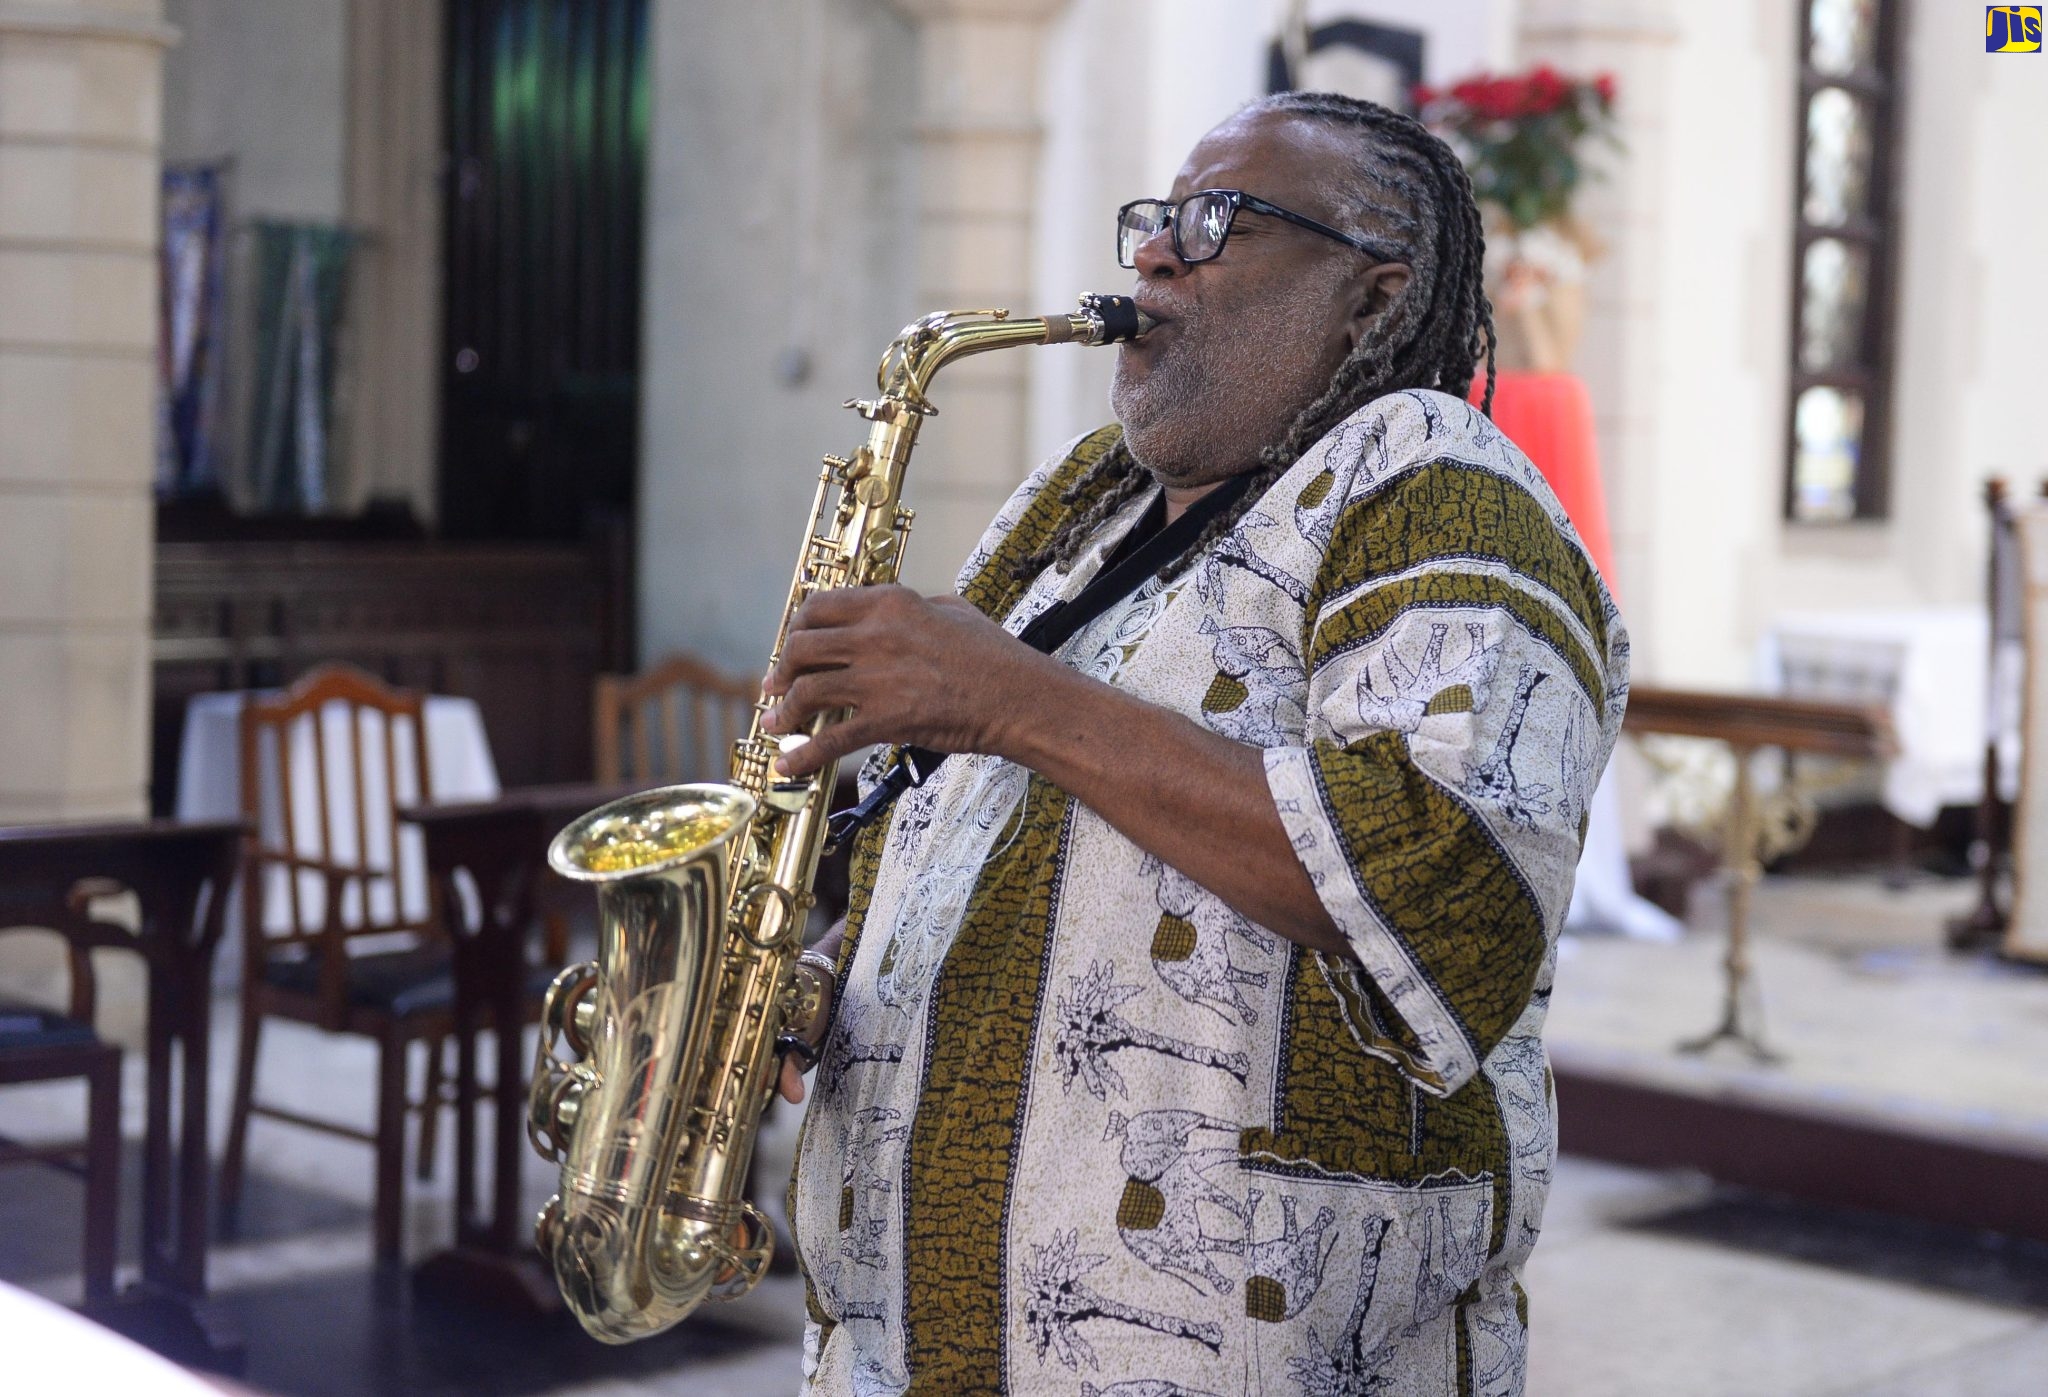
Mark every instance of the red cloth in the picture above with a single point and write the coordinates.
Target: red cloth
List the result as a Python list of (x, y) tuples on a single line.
[(1550, 417)]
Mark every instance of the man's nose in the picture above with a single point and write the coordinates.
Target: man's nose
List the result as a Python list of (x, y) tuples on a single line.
[(1155, 257)]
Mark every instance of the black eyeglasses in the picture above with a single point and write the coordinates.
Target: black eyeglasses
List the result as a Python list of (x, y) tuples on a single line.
[(1201, 225)]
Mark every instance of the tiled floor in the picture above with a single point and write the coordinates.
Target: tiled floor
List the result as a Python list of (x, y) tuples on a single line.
[(1643, 1284), (1871, 1016), (1652, 1284)]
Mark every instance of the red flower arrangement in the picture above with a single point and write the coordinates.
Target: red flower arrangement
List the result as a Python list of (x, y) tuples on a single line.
[(1519, 135)]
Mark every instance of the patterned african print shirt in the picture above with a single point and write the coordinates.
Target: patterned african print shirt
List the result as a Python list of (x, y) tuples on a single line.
[(1082, 1129)]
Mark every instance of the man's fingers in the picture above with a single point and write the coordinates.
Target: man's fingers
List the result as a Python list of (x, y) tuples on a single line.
[(843, 606), (807, 696), (826, 648), (820, 632), (818, 648), (791, 1087)]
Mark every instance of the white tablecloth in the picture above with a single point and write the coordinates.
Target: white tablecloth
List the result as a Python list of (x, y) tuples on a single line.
[(1604, 898), (459, 768), (1929, 667)]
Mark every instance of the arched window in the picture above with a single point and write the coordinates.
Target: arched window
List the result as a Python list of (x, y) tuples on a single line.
[(1843, 260)]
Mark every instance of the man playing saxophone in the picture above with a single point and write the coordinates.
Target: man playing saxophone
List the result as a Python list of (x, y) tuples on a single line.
[(1187, 1026)]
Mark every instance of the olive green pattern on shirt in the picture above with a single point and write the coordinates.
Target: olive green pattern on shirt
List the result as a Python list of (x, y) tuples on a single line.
[(1453, 510), (1438, 882), (1367, 618), (983, 1007), (1343, 1110)]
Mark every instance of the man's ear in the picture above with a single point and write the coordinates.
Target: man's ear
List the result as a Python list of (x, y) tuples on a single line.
[(1380, 285)]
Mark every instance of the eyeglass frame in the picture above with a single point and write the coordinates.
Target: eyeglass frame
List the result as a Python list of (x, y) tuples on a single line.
[(1238, 200)]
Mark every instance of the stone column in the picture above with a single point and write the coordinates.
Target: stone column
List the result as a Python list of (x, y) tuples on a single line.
[(394, 149), (978, 135), (1620, 356), (80, 112)]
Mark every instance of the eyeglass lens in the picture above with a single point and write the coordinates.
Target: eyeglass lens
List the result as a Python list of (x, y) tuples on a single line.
[(1202, 222), (1135, 223)]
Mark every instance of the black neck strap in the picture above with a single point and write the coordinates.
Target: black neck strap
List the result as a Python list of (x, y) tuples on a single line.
[(1051, 629)]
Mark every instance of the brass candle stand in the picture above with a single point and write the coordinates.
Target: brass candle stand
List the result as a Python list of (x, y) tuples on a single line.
[(1758, 827)]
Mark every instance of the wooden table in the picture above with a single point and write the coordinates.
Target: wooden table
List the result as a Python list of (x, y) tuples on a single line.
[(1757, 829), (502, 845), (180, 874)]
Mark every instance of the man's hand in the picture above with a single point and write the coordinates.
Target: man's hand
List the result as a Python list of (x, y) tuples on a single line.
[(928, 671)]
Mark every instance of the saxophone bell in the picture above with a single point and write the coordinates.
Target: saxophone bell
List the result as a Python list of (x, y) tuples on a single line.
[(631, 1252)]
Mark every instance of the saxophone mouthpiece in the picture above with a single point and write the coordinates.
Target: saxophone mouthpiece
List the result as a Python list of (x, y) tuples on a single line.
[(1119, 317)]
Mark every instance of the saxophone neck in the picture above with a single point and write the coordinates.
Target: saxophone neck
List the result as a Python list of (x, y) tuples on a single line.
[(928, 345)]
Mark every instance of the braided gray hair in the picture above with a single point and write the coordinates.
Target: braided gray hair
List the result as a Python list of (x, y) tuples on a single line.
[(1432, 334)]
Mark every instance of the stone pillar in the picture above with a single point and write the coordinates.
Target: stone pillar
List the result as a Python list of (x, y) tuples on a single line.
[(1620, 357), (80, 112), (392, 168), (978, 135)]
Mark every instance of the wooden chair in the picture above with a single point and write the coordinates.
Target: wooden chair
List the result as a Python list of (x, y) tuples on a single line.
[(38, 1045), (674, 722), (337, 926)]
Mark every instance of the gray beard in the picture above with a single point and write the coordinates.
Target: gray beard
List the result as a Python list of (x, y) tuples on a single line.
[(1223, 390)]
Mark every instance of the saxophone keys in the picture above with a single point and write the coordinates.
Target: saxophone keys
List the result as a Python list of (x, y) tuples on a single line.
[(569, 1012), (788, 797), (547, 1228), (880, 553), (552, 1112)]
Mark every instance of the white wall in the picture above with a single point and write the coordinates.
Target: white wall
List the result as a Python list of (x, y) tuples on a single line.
[(1972, 305), (777, 226), (1129, 86), (262, 81), (1706, 560)]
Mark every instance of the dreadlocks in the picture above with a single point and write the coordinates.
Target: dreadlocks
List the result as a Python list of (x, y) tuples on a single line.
[(1415, 193)]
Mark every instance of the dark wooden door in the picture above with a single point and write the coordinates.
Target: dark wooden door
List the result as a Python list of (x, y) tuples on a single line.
[(546, 105)]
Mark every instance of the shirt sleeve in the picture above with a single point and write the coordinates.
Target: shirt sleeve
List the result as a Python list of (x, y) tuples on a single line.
[(1459, 713)]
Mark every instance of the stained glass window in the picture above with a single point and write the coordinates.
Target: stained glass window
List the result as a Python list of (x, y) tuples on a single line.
[(1834, 291), (1827, 437), (1842, 35), (1838, 151), (1841, 313)]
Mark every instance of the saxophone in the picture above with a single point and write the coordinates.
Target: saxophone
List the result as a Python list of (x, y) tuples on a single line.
[(703, 892)]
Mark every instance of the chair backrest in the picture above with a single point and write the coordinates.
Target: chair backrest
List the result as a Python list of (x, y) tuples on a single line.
[(325, 768), (674, 722), (70, 918)]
